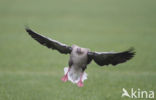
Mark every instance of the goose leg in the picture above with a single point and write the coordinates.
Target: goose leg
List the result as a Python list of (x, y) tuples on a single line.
[(80, 83), (65, 77)]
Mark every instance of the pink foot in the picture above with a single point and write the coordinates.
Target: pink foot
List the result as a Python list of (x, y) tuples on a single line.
[(64, 78), (80, 83)]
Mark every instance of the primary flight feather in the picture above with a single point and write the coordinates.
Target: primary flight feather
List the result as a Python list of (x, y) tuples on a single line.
[(81, 57)]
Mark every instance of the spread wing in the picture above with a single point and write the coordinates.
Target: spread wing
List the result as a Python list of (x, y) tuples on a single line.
[(50, 43), (106, 58)]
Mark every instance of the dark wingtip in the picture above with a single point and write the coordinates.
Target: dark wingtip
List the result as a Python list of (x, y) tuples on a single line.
[(27, 29), (132, 51), (127, 55)]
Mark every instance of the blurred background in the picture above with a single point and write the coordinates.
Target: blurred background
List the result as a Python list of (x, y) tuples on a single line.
[(29, 71)]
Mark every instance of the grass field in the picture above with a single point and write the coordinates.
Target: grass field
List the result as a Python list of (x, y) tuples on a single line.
[(29, 71)]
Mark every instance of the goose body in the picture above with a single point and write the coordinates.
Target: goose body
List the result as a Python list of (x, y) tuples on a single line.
[(81, 57)]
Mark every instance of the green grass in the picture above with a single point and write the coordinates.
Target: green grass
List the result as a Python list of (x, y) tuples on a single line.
[(29, 71)]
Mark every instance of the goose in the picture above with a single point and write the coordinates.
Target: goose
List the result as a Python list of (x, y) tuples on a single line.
[(81, 57)]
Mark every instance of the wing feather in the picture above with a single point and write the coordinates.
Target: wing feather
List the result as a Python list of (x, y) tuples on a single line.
[(106, 58), (50, 43)]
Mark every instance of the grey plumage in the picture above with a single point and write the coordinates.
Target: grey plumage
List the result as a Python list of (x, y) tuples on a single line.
[(81, 57), (101, 58)]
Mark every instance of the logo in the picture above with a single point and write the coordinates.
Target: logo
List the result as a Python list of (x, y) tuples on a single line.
[(138, 93)]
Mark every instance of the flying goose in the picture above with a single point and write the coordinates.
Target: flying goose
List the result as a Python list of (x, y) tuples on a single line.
[(81, 57)]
